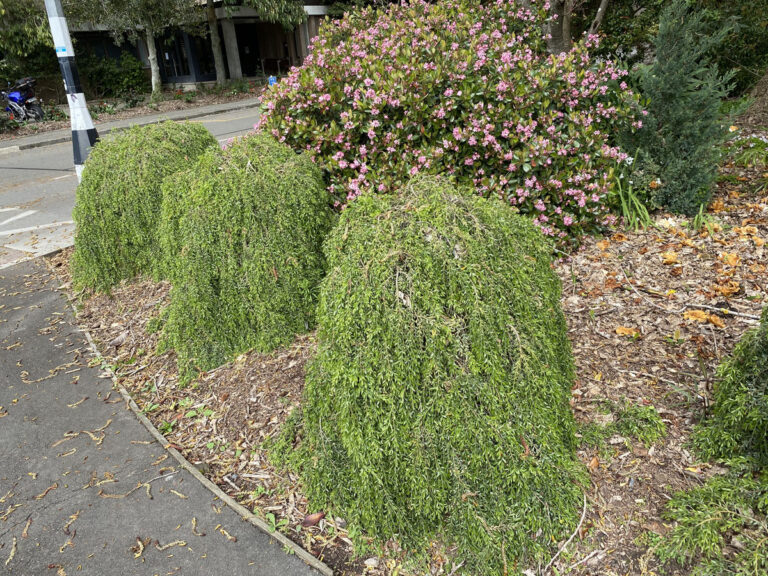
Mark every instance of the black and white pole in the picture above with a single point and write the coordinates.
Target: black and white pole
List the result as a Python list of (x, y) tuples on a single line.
[(84, 135)]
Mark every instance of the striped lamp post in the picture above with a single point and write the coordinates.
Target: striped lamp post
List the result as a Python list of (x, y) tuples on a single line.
[(84, 135)]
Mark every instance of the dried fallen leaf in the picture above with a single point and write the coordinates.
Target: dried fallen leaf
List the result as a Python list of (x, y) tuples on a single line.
[(13, 552), (669, 258), (696, 315), (312, 519), (45, 492), (730, 258), (626, 331), (169, 545), (594, 464), (603, 244)]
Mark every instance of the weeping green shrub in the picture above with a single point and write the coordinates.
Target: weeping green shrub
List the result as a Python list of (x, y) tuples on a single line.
[(247, 238), (118, 202), (437, 405), (738, 424), (721, 527), (175, 189)]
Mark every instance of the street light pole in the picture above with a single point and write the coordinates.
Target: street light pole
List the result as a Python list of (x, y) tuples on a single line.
[(84, 135)]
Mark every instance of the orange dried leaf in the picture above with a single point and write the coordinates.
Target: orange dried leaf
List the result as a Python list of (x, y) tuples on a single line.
[(669, 258), (626, 331), (696, 315), (717, 206), (716, 321), (730, 258), (594, 464), (603, 244)]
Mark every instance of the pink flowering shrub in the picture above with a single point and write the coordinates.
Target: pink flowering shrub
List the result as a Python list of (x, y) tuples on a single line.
[(463, 88)]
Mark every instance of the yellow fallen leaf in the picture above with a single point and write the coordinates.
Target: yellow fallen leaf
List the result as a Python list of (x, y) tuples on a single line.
[(716, 321), (626, 331), (603, 244), (717, 206), (730, 258), (696, 315), (701, 316), (669, 258)]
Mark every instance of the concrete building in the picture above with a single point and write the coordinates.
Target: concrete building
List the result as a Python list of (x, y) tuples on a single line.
[(251, 47)]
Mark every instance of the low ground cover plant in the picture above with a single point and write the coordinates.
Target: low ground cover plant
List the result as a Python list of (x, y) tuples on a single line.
[(722, 526), (244, 237), (437, 405), (118, 202), (464, 88)]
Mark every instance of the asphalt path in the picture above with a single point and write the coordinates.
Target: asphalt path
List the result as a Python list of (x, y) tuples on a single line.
[(37, 191)]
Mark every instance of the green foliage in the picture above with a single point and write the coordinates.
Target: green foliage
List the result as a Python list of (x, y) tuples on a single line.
[(118, 202), (26, 47), (721, 527), (243, 233), (738, 424), (642, 422), (752, 151), (107, 77), (437, 405), (683, 129), (638, 421)]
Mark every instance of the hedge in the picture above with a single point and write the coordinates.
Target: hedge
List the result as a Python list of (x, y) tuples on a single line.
[(437, 405), (118, 202)]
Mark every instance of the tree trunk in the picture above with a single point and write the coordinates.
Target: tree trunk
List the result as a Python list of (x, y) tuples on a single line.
[(157, 83), (598, 17), (218, 57), (560, 26)]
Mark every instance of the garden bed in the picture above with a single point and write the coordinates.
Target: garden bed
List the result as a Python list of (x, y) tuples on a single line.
[(643, 320)]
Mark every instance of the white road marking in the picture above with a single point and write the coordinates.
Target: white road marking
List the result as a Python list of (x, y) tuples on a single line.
[(33, 228), (9, 209), (61, 177), (18, 217)]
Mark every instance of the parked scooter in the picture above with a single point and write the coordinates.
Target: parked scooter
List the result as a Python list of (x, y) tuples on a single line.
[(21, 103)]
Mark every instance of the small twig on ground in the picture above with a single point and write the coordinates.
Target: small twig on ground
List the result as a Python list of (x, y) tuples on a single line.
[(564, 546), (582, 561)]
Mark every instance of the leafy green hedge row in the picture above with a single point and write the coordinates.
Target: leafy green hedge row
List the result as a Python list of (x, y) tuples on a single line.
[(437, 405), (243, 233), (118, 203)]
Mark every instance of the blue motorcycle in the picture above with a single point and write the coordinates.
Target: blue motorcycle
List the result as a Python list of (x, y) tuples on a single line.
[(21, 103)]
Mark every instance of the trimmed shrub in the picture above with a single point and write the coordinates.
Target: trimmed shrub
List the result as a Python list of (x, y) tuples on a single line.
[(461, 87), (684, 128), (117, 208), (437, 405), (175, 190), (738, 424), (250, 225)]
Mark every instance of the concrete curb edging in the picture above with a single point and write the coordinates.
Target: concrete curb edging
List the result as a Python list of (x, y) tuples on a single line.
[(241, 510), (194, 113)]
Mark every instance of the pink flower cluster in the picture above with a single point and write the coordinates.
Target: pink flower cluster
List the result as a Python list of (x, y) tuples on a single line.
[(464, 88)]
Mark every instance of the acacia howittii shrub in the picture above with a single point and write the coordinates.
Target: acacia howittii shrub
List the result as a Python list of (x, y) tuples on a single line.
[(245, 240), (721, 527), (437, 405), (738, 424), (118, 202), (460, 87)]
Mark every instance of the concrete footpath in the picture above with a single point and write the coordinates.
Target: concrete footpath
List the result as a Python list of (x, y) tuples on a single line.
[(103, 128), (85, 488)]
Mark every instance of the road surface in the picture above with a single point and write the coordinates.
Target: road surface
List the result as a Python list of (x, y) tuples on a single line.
[(37, 191)]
